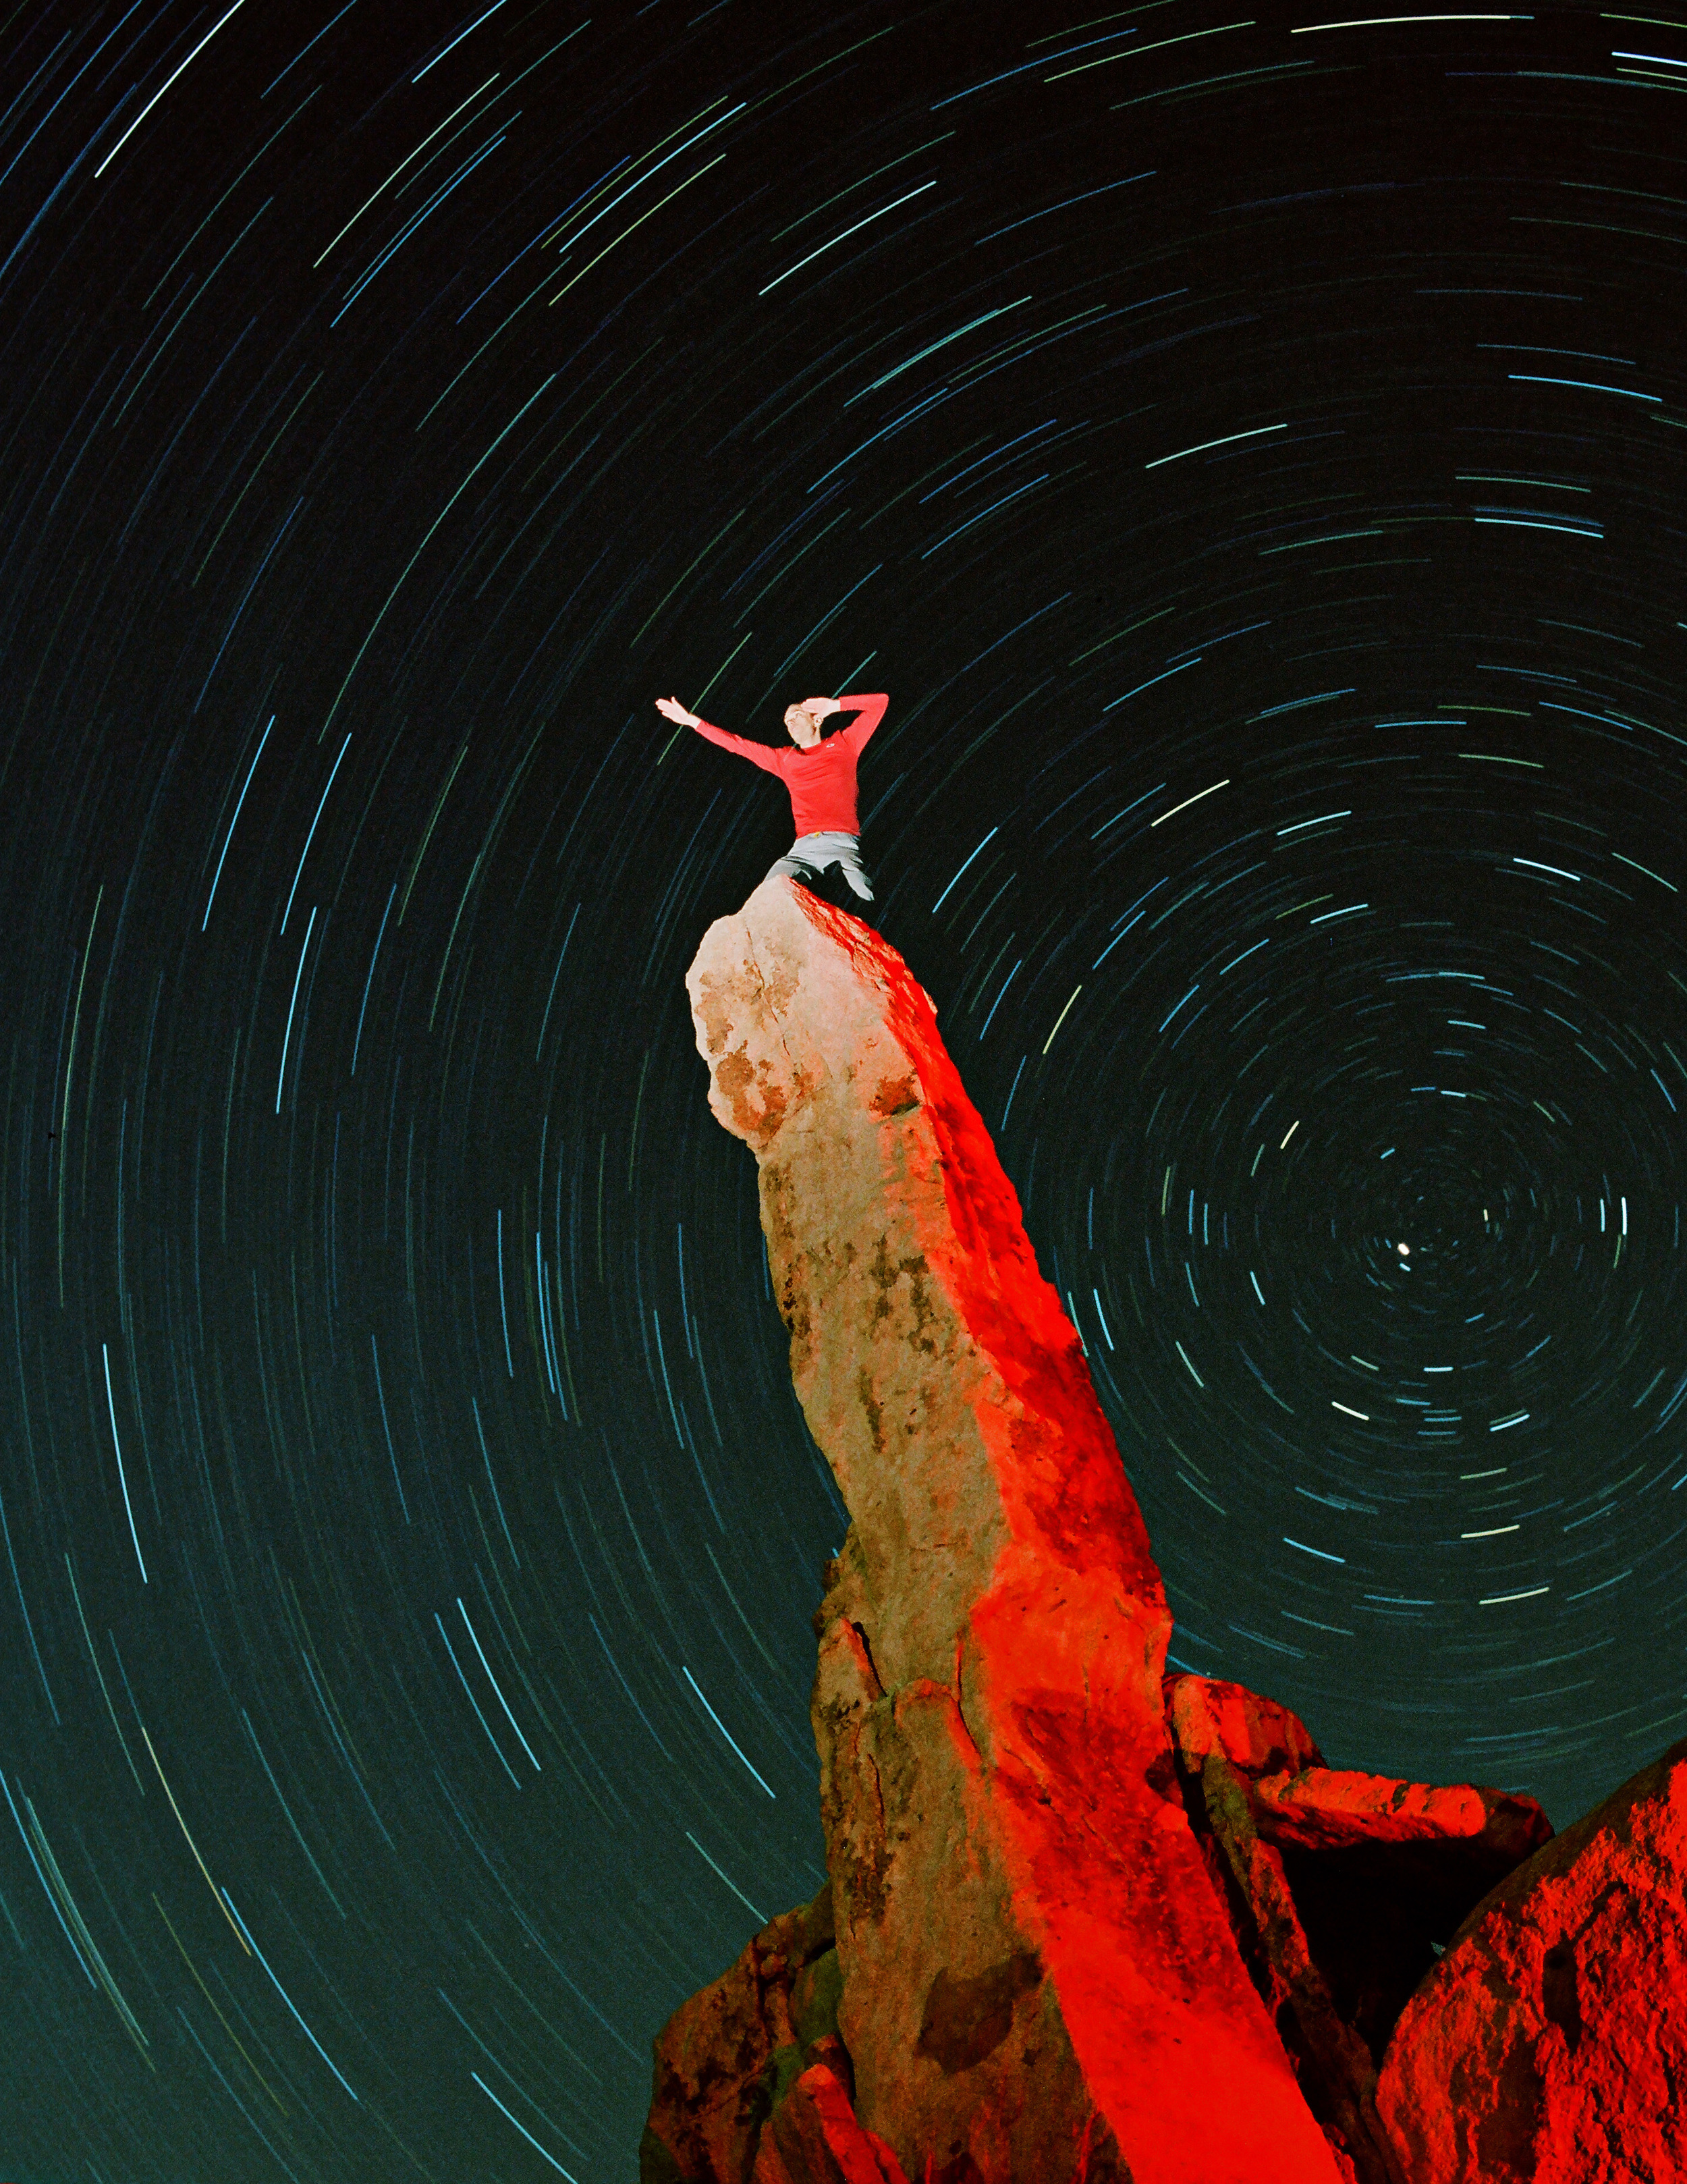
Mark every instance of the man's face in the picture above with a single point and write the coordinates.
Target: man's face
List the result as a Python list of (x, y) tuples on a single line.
[(802, 727)]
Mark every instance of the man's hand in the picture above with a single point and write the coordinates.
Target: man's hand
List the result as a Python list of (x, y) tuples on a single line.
[(820, 707), (676, 711)]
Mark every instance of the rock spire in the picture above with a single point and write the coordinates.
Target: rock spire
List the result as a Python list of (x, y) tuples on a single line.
[(1085, 1923), (1039, 1978)]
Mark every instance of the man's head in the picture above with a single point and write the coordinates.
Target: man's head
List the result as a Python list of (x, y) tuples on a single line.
[(803, 726)]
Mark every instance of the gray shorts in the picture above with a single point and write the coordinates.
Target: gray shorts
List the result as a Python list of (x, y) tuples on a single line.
[(811, 853)]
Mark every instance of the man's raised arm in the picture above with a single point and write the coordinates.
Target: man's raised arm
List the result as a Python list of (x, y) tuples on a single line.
[(757, 754), (869, 712)]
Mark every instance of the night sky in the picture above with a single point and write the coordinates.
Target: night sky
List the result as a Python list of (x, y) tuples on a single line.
[(410, 1531)]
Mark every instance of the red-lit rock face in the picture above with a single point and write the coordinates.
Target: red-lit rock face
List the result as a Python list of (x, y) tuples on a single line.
[(1341, 1886), (1550, 2043), (1039, 1980), (1326, 1809), (815, 2138), (1255, 1734)]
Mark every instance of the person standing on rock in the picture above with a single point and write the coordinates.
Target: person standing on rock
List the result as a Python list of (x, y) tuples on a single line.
[(820, 776)]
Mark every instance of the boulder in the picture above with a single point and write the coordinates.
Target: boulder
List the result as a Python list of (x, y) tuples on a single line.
[(1256, 1735), (1326, 1809), (1039, 1979), (1340, 1885), (1550, 2043), (728, 2057), (814, 2138)]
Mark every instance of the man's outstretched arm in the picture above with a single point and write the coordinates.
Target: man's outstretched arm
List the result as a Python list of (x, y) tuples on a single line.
[(869, 712), (757, 754)]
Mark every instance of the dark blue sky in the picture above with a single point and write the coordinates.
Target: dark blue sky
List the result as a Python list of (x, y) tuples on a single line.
[(1250, 455)]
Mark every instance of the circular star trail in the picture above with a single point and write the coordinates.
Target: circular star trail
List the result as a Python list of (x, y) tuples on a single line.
[(1248, 454)]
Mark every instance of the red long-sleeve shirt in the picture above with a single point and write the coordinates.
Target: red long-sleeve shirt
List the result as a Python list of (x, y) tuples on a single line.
[(822, 779)]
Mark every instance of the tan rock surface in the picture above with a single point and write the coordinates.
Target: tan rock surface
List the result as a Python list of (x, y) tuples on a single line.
[(730, 2053), (1039, 1980)]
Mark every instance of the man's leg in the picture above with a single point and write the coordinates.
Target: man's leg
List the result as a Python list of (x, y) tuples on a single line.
[(798, 863), (811, 855), (848, 857)]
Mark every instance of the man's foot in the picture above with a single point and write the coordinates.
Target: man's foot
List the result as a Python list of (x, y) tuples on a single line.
[(832, 888)]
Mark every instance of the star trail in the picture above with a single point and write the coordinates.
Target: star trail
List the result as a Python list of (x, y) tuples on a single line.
[(410, 1531)]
